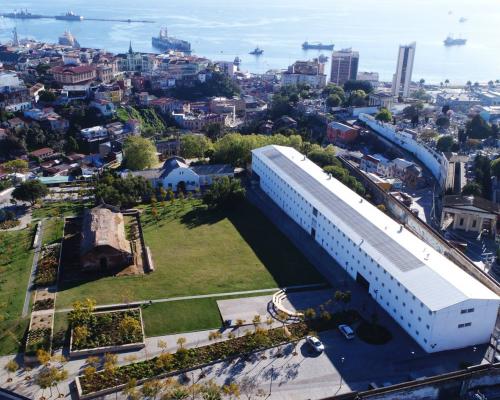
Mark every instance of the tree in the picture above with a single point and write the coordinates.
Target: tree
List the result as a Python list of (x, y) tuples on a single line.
[(445, 143), (139, 152), (472, 189), (11, 367), (358, 85), (151, 389), (47, 96), (181, 342), (332, 89), (224, 193), (323, 156), (495, 167), (231, 390), (384, 115), (256, 321), (443, 122), (358, 98), (30, 191), (15, 166), (478, 128), (130, 327), (310, 314), (195, 146), (333, 100), (130, 389), (122, 192), (82, 312), (80, 335)]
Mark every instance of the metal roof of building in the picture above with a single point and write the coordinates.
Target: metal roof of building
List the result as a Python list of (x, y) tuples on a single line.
[(428, 275)]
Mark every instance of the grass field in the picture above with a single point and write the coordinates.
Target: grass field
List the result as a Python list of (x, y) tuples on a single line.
[(59, 208), (15, 265), (196, 251), (52, 230)]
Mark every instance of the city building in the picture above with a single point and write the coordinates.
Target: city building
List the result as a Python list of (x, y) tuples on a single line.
[(337, 132), (376, 164), (176, 174), (344, 66), (104, 245), (381, 99), (490, 114), (436, 302), (72, 75), (402, 78), (470, 214), (305, 73), (458, 101), (372, 77)]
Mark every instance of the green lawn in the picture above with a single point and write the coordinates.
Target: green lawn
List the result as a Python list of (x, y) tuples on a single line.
[(52, 230), (15, 265), (59, 208), (196, 251)]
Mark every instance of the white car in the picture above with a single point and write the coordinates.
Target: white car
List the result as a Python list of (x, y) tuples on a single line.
[(315, 343), (347, 331)]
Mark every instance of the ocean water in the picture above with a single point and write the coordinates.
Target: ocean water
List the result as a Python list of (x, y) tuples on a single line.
[(224, 29)]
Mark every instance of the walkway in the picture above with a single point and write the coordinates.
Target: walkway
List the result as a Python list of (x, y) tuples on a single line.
[(206, 296), (36, 255)]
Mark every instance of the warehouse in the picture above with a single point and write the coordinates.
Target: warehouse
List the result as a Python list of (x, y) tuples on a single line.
[(436, 302)]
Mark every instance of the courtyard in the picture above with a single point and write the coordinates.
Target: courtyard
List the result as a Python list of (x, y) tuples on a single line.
[(198, 251)]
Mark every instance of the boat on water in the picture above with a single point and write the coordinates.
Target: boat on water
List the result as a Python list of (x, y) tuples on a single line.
[(256, 52), (451, 41), (69, 16), (67, 39), (166, 43), (23, 14), (317, 46), (462, 20)]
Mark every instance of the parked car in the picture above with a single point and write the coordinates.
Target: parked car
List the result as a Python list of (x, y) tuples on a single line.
[(315, 343), (347, 331)]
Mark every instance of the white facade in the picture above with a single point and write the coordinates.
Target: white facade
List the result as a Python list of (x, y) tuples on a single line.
[(437, 303), (402, 77), (436, 162)]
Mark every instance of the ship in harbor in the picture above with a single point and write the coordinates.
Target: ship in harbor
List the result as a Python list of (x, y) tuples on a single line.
[(69, 16), (23, 14), (67, 39), (256, 52), (451, 41), (317, 46), (166, 43)]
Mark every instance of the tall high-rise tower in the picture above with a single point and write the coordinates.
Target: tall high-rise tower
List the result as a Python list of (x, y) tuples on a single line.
[(344, 66), (402, 78)]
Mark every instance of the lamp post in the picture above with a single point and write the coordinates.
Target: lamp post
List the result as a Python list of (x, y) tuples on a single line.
[(341, 363)]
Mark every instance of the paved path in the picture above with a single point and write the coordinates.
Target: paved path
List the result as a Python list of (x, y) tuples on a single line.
[(206, 296), (36, 255)]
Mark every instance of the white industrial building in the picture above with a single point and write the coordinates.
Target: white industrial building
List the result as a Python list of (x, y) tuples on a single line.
[(436, 302)]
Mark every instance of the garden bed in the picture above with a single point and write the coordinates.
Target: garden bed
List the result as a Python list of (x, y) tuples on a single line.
[(45, 304), (108, 331), (114, 379), (46, 271), (37, 339)]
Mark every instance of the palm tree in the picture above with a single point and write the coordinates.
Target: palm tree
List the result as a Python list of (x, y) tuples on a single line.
[(422, 81), (447, 82), (469, 85)]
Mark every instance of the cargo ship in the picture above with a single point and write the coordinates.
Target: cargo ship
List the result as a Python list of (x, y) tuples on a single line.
[(69, 16), (23, 14), (256, 52), (317, 46), (450, 41), (165, 42)]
